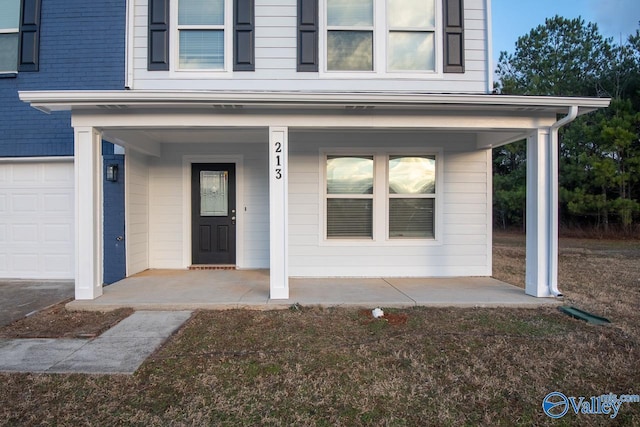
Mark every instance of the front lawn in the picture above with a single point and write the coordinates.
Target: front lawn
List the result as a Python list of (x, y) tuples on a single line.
[(333, 366)]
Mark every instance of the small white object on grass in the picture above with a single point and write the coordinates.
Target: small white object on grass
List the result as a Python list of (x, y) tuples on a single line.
[(377, 313)]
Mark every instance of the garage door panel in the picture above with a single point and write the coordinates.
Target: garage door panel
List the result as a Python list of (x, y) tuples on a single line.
[(58, 172), (57, 263), (24, 233), (24, 262), (24, 203), (58, 203), (26, 173), (36, 220), (55, 233)]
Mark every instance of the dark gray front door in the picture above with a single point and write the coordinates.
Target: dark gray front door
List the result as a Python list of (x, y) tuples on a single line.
[(213, 213)]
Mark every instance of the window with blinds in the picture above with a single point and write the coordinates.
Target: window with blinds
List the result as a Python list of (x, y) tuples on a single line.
[(349, 193), (412, 192), (201, 34), (351, 196)]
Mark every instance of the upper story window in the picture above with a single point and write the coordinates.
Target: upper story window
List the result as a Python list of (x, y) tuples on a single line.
[(19, 35), (361, 37), (350, 32), (9, 30), (371, 38), (411, 35), (201, 34)]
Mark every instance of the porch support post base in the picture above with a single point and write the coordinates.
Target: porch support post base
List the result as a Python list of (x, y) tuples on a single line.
[(540, 207), (279, 212), (88, 213)]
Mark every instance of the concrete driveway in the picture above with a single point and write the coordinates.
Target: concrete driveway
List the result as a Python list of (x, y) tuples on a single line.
[(18, 298)]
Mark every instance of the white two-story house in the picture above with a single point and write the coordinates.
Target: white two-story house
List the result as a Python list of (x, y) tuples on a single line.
[(313, 138)]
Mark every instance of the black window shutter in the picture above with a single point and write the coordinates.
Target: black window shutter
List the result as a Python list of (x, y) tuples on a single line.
[(158, 54), (308, 35), (29, 44), (244, 57), (454, 36)]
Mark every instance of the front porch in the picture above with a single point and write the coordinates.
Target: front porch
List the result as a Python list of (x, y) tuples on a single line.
[(229, 289)]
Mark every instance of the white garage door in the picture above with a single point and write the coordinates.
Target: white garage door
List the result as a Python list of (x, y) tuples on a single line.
[(36, 220)]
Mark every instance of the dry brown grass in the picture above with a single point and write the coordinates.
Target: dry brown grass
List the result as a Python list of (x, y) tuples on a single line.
[(339, 367)]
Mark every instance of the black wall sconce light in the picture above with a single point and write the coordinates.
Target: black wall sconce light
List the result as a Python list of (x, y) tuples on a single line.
[(112, 173)]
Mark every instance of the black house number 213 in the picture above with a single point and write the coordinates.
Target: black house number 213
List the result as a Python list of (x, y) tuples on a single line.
[(278, 146)]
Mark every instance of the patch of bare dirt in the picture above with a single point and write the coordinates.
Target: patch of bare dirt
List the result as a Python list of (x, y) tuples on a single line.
[(58, 322), (393, 318)]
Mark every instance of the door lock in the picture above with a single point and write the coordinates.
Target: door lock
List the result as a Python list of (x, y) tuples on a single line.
[(119, 238)]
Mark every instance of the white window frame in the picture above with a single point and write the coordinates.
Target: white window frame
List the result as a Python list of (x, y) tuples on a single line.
[(174, 60), (381, 30), (371, 196), (380, 214)]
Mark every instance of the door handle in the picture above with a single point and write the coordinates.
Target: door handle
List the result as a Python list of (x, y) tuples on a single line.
[(119, 238)]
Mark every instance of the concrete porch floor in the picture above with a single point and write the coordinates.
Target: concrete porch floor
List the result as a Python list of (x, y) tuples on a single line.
[(226, 289)]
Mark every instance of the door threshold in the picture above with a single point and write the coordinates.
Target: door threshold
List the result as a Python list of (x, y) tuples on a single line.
[(212, 267)]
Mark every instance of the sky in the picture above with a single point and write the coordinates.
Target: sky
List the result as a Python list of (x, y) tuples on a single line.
[(515, 18)]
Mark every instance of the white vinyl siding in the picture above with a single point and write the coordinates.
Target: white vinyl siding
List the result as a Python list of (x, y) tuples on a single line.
[(37, 219), (464, 246), (275, 53), (137, 211)]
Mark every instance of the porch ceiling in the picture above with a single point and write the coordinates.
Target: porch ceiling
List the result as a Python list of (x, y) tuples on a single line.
[(140, 137)]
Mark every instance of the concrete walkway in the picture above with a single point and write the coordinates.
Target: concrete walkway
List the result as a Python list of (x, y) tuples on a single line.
[(228, 289), (120, 350)]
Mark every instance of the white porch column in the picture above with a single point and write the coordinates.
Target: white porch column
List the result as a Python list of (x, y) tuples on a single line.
[(88, 211), (279, 212), (542, 204)]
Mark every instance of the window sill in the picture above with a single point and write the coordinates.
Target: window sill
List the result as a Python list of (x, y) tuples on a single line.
[(381, 243), (8, 75)]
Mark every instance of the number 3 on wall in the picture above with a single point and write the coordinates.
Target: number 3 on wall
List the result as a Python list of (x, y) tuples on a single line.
[(278, 157)]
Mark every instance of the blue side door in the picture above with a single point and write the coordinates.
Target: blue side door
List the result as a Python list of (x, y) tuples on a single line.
[(114, 224)]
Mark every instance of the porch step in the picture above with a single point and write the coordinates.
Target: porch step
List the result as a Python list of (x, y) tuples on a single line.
[(212, 267)]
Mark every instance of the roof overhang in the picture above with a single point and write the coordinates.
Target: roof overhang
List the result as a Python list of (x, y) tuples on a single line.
[(144, 119), (49, 101)]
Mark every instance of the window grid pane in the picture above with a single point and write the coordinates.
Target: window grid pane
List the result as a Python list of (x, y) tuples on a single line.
[(9, 52), (349, 175), (411, 51), (202, 49), (350, 51), (349, 13), (411, 218), (201, 12), (412, 14), (9, 14), (349, 218), (412, 174)]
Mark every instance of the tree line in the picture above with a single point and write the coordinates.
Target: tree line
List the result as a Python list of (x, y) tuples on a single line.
[(599, 152)]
